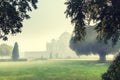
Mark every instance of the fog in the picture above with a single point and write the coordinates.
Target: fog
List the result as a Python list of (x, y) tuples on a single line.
[(56, 48), (46, 23), (91, 45)]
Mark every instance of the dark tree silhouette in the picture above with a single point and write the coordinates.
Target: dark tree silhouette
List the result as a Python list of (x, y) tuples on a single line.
[(91, 45), (15, 52), (105, 13), (113, 72), (12, 14)]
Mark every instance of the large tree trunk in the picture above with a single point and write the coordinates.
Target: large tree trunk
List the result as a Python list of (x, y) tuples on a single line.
[(102, 57)]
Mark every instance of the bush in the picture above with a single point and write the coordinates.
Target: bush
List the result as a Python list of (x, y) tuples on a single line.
[(21, 60), (10, 60), (15, 52), (5, 60), (113, 72)]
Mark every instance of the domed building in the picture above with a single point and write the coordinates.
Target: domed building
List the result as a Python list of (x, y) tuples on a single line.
[(60, 47)]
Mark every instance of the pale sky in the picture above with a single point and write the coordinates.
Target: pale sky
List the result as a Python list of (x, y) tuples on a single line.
[(46, 23)]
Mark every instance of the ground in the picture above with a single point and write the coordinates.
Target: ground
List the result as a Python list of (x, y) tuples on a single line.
[(52, 70)]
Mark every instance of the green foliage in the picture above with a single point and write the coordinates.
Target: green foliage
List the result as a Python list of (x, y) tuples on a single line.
[(52, 70), (5, 50), (113, 72), (91, 45), (74, 11), (105, 13), (12, 14), (15, 53)]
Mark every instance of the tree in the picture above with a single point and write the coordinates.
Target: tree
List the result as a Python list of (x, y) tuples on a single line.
[(15, 52), (91, 45), (5, 50), (51, 56), (113, 72), (12, 14), (105, 13), (57, 55)]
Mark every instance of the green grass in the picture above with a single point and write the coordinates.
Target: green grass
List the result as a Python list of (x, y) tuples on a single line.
[(52, 70)]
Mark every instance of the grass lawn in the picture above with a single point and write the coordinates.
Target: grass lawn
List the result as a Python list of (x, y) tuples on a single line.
[(52, 70)]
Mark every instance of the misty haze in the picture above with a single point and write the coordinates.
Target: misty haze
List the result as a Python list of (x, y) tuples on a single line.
[(60, 40)]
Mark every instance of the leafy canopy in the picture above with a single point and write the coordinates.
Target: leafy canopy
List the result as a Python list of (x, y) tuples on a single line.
[(12, 14), (5, 50), (105, 13)]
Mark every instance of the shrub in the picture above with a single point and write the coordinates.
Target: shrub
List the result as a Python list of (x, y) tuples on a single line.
[(113, 72), (15, 53)]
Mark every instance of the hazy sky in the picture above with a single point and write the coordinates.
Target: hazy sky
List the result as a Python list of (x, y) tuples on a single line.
[(46, 23)]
